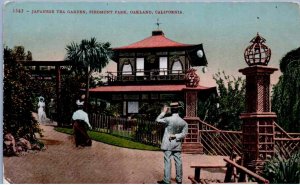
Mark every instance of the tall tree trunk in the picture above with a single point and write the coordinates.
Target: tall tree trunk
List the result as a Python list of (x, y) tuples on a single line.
[(87, 88)]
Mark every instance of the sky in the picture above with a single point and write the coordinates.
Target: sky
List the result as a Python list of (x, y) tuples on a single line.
[(224, 28)]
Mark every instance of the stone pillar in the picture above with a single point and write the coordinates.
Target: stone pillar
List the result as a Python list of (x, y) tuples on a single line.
[(258, 121)]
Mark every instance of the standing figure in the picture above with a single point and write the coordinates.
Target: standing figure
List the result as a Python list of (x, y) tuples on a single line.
[(41, 110), (175, 131), (80, 121), (51, 109)]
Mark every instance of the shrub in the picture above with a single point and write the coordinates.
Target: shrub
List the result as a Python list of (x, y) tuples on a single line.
[(281, 171), (18, 96)]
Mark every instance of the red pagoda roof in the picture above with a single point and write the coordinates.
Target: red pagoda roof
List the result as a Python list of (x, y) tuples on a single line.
[(157, 40), (146, 88)]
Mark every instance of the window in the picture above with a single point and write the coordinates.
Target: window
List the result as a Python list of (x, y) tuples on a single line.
[(133, 107), (44, 68), (140, 66), (127, 69), (163, 65), (177, 67)]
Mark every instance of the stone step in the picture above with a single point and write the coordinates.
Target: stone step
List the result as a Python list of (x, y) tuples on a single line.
[(192, 148), (191, 140), (193, 152)]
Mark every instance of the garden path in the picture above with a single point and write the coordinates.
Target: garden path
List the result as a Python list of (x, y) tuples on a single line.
[(62, 162)]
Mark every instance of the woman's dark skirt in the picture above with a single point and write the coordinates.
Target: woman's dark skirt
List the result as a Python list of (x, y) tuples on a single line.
[(81, 136)]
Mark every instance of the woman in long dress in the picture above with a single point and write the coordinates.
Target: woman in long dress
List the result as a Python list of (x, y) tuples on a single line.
[(80, 122), (41, 110)]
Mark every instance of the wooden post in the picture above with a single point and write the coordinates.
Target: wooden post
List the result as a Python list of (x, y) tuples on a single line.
[(258, 121), (192, 142), (58, 95)]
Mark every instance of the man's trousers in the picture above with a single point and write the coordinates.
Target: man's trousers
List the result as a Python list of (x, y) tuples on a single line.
[(178, 165)]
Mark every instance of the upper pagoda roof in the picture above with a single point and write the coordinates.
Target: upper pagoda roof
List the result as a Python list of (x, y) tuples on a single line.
[(157, 40)]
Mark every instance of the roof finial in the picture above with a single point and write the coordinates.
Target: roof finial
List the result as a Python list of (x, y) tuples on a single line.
[(157, 23)]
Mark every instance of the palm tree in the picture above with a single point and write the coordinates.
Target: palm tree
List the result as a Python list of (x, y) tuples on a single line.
[(88, 56)]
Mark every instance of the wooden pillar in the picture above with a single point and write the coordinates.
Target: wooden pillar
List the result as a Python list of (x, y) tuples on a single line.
[(192, 142), (191, 102), (58, 95), (258, 121)]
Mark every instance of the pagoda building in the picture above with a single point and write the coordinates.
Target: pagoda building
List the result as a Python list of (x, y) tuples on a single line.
[(153, 70)]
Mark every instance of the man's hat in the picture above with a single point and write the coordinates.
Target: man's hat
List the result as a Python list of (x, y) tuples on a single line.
[(174, 105)]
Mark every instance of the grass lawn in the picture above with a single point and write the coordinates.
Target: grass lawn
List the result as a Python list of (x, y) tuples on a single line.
[(112, 140)]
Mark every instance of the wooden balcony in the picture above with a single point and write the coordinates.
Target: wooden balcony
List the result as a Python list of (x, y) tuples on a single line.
[(146, 77)]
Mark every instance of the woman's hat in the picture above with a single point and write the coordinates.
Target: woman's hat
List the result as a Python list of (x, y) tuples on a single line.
[(41, 98), (79, 103)]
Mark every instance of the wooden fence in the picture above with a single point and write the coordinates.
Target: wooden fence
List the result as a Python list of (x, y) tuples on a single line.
[(148, 132), (221, 142), (215, 141), (286, 143)]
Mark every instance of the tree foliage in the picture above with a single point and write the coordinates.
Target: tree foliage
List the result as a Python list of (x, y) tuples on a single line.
[(89, 53), (286, 93), (88, 56), (18, 95), (70, 92), (223, 110)]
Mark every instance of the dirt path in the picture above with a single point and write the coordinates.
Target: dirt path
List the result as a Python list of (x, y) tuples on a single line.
[(62, 162)]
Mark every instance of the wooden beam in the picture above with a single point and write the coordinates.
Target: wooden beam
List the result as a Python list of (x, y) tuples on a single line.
[(256, 176), (46, 63)]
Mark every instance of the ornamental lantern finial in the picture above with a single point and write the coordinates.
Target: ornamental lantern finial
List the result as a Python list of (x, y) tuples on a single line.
[(191, 78), (257, 53)]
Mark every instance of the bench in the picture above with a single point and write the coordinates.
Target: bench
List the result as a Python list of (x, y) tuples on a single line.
[(235, 173), (196, 179)]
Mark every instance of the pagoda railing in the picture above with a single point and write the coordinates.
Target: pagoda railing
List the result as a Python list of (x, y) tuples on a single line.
[(146, 75)]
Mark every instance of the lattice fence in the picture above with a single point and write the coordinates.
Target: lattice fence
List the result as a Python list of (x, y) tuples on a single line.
[(286, 146), (286, 143), (219, 142)]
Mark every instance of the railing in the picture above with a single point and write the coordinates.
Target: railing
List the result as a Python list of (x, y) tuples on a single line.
[(215, 141), (287, 146), (142, 75), (286, 143), (147, 132), (219, 142), (280, 132), (244, 173)]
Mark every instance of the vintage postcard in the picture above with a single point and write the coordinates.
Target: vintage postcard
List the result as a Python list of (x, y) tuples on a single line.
[(112, 91)]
